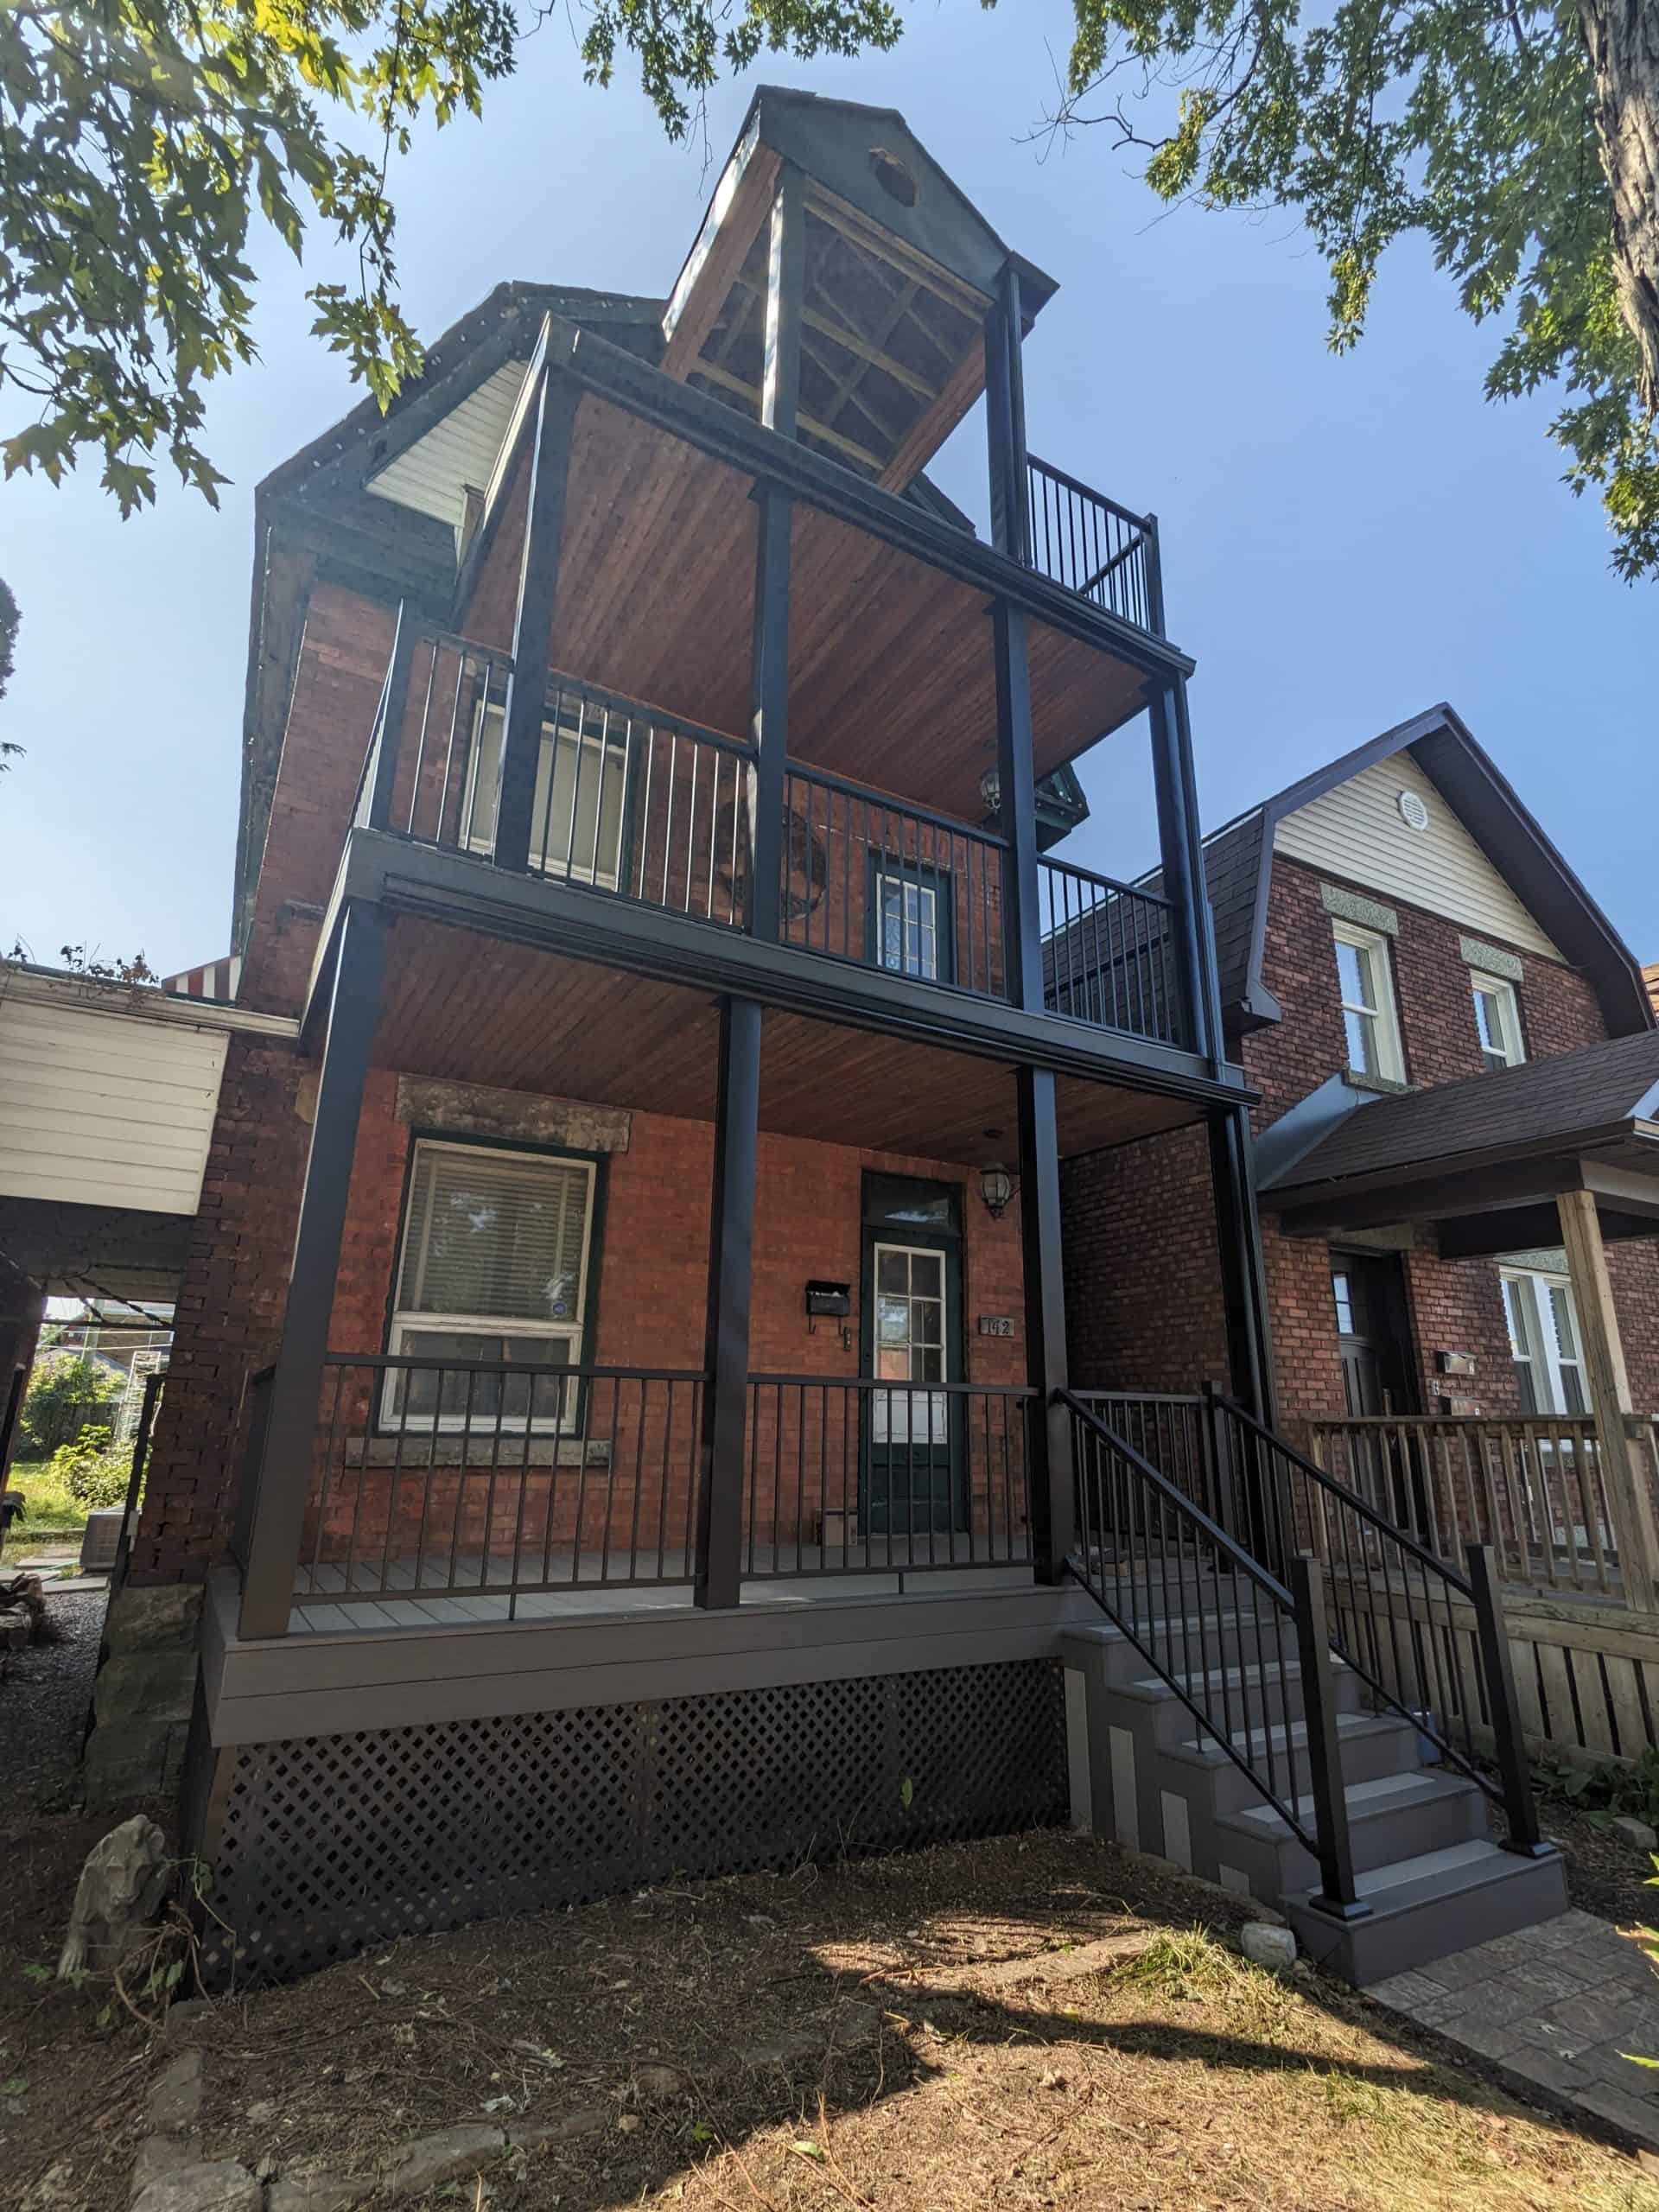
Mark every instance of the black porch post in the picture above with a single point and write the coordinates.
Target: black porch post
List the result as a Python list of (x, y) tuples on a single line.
[(1005, 418), (1052, 1503), (538, 582), (769, 660), (1181, 853), (731, 1270), (296, 1386), (1244, 1278)]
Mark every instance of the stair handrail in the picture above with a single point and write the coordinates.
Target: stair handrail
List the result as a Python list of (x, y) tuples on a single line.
[(1494, 1667), (1328, 1838)]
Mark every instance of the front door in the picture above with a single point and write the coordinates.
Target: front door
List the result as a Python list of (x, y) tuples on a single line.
[(912, 1337), (1374, 1341), (1368, 1292)]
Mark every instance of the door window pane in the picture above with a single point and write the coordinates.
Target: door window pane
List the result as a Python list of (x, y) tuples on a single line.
[(1342, 1290), (909, 926)]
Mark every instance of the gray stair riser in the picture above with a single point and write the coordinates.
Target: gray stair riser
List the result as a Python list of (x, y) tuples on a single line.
[(1388, 1749), (1230, 1646), (1253, 1705), (1280, 1865), (1525, 1893)]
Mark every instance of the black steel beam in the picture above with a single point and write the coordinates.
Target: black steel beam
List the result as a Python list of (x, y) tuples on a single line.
[(731, 1276), (278, 1519), (1243, 1276), (1017, 809), (1182, 859), (769, 713), (539, 583), (393, 706), (1052, 1487)]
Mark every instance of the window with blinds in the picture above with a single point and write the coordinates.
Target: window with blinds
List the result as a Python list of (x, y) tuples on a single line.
[(493, 1270)]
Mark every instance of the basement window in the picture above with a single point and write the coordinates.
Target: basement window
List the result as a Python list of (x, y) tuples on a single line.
[(492, 1268)]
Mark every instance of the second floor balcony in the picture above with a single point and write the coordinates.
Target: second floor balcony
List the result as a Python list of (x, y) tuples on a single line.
[(637, 805)]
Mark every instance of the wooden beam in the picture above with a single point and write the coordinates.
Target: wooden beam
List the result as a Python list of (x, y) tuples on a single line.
[(886, 245), (740, 204), (780, 392), (930, 432), (1629, 1500), (728, 382)]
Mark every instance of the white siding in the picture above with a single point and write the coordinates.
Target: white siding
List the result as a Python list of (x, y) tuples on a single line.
[(458, 450), (105, 1110), (1356, 832)]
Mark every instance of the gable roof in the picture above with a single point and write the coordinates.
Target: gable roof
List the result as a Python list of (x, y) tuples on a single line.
[(1238, 864)]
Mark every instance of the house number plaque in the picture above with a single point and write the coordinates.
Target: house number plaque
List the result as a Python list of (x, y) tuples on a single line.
[(995, 1325)]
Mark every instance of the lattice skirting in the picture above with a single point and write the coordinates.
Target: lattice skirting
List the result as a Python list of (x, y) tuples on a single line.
[(322, 1846)]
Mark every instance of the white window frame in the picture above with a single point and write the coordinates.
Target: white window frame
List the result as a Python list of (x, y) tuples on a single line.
[(1509, 1050), (1384, 1015), (481, 806), (405, 1322), (1541, 1353), (923, 924)]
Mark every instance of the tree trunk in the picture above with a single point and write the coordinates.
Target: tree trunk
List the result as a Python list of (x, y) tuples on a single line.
[(1622, 39)]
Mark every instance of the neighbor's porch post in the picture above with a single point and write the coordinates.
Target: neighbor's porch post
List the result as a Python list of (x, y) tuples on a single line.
[(717, 1576), (538, 584), (284, 1473), (1624, 1461)]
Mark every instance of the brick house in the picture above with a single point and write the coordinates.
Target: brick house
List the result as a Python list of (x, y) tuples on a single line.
[(1454, 1063), (622, 1415)]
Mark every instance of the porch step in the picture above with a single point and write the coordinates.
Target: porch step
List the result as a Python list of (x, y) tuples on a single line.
[(1425, 1907), (1370, 1746), (1247, 1694), (1392, 1817)]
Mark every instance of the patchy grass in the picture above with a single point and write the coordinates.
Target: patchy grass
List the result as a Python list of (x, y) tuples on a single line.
[(1012, 2053), (53, 1510)]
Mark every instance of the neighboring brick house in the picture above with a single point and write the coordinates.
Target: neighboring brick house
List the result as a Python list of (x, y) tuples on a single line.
[(1395, 923)]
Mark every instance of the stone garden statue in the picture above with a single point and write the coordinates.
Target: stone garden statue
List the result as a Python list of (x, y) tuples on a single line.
[(118, 1899)]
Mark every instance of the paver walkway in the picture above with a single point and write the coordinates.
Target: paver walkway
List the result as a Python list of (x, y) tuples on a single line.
[(1558, 2006)]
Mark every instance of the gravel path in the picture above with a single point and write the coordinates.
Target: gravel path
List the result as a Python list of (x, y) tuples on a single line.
[(45, 1694)]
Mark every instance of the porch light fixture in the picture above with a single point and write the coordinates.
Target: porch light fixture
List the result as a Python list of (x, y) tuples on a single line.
[(995, 1188), (990, 791)]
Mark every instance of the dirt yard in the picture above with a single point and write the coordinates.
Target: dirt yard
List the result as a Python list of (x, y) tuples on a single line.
[(1014, 2024)]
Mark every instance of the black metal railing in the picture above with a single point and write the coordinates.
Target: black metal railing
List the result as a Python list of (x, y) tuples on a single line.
[(1175, 1430), (1428, 1640), (1249, 1661), (494, 1482), (1088, 543), (1109, 953), (629, 801), (851, 1476), (890, 885)]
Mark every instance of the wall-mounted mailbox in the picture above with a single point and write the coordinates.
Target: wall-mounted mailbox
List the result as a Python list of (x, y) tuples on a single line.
[(1457, 1362), (834, 1299), (1460, 1408)]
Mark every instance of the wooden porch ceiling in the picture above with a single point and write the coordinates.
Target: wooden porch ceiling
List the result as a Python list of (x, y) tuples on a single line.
[(469, 1008), (890, 660)]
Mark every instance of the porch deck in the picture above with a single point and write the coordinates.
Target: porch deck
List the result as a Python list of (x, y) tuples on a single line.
[(786, 1574)]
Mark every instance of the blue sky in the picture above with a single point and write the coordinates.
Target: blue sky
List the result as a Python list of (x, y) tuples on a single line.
[(1345, 542)]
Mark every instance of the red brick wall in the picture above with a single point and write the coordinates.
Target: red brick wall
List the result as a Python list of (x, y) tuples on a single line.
[(1143, 1298), (649, 1289), (342, 665)]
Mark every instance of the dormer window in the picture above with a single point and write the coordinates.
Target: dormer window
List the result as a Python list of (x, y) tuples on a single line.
[(1368, 1020), (1497, 1022)]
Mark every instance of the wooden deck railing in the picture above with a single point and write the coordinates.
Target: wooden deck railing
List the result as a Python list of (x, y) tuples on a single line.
[(1531, 1486)]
